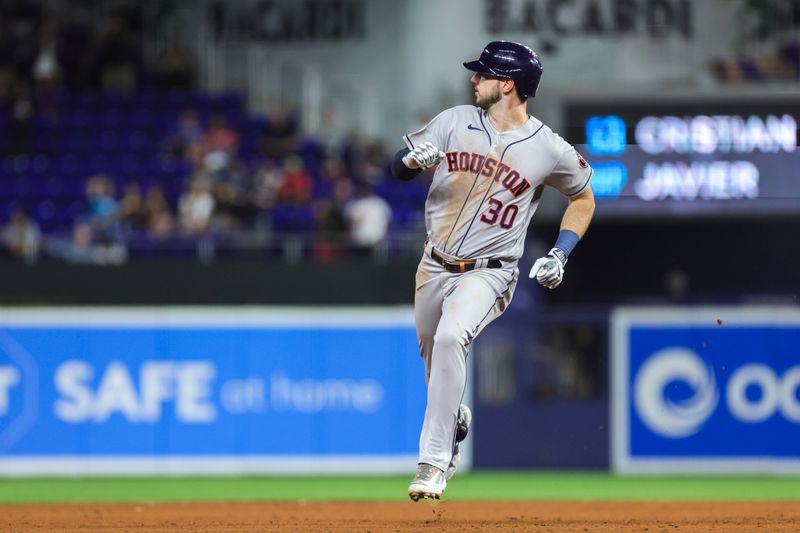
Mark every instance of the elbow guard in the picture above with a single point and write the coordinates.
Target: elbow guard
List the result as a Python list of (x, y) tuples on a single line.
[(400, 170)]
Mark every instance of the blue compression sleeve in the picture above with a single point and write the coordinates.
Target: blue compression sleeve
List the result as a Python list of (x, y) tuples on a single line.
[(567, 239), (399, 170)]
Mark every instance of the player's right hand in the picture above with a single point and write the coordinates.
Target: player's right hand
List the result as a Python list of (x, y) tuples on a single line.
[(423, 156)]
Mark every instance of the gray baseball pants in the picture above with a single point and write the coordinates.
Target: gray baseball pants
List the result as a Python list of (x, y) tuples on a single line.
[(451, 309)]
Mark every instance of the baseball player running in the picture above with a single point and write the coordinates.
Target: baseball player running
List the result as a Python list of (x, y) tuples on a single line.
[(493, 162)]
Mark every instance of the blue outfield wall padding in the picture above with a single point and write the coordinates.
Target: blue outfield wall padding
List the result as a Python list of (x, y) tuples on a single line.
[(225, 389)]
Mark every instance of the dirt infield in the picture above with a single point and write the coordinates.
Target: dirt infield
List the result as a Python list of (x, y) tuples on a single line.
[(653, 517)]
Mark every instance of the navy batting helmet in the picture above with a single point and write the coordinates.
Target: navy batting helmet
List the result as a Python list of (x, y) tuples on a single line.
[(510, 60)]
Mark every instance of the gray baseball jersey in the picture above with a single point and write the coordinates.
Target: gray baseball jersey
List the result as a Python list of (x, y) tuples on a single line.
[(482, 198), (487, 188)]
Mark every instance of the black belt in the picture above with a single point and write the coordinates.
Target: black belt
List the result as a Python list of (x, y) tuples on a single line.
[(462, 266)]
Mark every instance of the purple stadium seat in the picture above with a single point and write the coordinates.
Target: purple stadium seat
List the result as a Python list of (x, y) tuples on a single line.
[(141, 119), (292, 219), (54, 187), (130, 165), (138, 140), (16, 165), (108, 140), (77, 119), (99, 163), (87, 99), (23, 187), (112, 119), (45, 211), (67, 164)]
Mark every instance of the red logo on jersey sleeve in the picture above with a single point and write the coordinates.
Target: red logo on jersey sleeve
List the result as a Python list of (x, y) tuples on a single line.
[(581, 161)]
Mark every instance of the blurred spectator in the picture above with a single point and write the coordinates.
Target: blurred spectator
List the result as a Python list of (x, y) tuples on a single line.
[(368, 217), (100, 197), (118, 55), (279, 138), (343, 191), (297, 184), (22, 237), (84, 248), (21, 23), (333, 192), (133, 213), (780, 64), (220, 144), (774, 68), (330, 221), (195, 207), (331, 173), (727, 72), (280, 178), (220, 136), (184, 141), (365, 160), (331, 230), (369, 161), (267, 180), (176, 68), (160, 222), (103, 215), (46, 68), (235, 207)]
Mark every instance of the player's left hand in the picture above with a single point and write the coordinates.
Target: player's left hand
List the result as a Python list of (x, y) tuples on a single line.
[(549, 270)]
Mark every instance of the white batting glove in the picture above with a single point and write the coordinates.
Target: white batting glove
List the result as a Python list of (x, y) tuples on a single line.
[(423, 156), (549, 270)]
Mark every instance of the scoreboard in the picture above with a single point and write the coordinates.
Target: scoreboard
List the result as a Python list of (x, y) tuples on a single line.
[(690, 158)]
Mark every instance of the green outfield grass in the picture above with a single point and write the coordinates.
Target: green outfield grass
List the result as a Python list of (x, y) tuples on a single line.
[(476, 486)]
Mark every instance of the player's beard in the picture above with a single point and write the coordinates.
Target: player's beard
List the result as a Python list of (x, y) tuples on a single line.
[(487, 100)]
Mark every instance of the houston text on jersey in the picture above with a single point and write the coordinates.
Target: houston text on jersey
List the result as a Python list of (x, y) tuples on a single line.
[(492, 168)]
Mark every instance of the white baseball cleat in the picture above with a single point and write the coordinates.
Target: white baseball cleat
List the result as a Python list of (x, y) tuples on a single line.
[(428, 484), (462, 428)]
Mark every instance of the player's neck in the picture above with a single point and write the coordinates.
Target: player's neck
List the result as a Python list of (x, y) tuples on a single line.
[(506, 116)]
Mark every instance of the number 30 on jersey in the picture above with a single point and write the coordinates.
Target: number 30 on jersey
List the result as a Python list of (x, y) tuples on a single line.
[(496, 211)]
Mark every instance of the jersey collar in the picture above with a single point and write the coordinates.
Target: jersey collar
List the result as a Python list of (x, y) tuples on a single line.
[(522, 130)]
